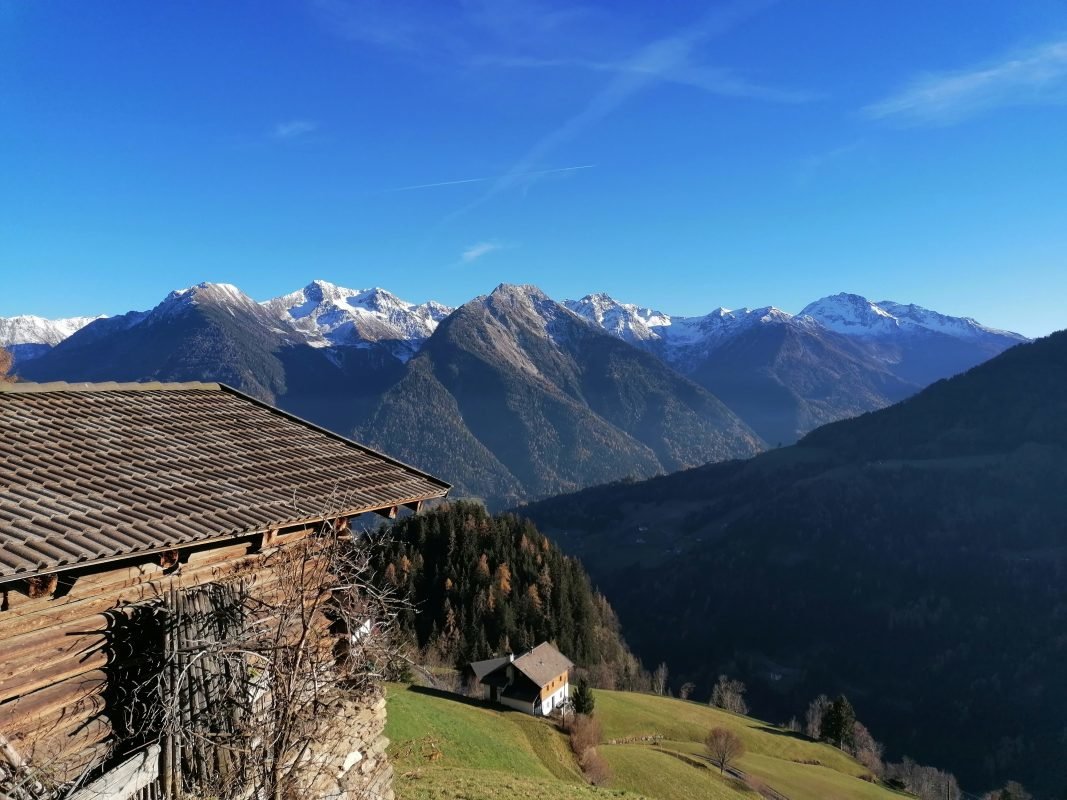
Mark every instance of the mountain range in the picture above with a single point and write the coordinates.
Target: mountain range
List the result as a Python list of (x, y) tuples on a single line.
[(913, 558), (514, 395)]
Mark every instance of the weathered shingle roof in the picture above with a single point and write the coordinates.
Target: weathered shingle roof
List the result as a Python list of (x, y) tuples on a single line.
[(96, 471), (543, 663), (483, 668)]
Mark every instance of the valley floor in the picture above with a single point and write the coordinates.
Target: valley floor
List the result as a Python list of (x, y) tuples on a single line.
[(445, 747)]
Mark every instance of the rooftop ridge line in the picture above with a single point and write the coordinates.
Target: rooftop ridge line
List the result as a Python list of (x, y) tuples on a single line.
[(21, 387)]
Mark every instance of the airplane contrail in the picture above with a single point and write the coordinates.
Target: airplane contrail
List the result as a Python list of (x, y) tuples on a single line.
[(493, 178)]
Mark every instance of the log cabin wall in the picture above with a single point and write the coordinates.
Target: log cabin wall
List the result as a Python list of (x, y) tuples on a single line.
[(59, 653)]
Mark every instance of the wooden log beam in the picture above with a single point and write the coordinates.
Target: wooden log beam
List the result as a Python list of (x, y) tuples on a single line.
[(20, 680), (416, 507), (388, 513), (80, 695), (30, 618)]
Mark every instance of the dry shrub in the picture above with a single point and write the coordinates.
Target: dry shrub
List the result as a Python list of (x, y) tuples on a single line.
[(585, 734), (596, 768)]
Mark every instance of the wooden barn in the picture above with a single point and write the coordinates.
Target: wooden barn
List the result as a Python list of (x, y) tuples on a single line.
[(120, 503)]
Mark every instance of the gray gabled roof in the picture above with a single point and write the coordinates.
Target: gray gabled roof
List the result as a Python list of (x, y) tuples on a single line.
[(483, 668), (540, 665), (93, 472), (543, 663)]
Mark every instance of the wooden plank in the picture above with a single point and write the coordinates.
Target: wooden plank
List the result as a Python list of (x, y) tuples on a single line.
[(131, 776)]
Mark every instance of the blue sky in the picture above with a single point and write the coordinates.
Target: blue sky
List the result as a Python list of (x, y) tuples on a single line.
[(681, 155)]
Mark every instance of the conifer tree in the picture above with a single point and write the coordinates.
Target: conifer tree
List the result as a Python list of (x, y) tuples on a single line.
[(582, 697), (838, 723)]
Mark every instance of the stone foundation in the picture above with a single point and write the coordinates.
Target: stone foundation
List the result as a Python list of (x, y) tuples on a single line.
[(354, 766)]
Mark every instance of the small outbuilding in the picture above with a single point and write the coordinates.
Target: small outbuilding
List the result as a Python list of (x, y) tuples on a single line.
[(536, 682)]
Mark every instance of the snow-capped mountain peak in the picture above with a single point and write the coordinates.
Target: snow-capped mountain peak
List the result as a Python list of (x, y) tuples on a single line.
[(627, 321), (675, 337), (327, 314), (27, 336), (854, 315), (30, 329), (959, 327), (851, 314), (225, 294)]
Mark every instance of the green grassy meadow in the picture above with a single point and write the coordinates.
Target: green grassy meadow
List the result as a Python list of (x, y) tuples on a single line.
[(448, 748)]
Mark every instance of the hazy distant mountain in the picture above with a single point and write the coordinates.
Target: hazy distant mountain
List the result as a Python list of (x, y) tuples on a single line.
[(28, 337), (917, 345), (912, 557), (555, 402), (785, 375)]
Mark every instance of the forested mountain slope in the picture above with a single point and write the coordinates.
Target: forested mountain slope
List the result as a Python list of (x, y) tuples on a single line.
[(483, 585), (914, 557)]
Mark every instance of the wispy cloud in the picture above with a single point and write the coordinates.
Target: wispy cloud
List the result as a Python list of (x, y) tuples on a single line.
[(294, 129), (446, 29), (476, 251), (1034, 77), (663, 56), (529, 34), (532, 174), (714, 80)]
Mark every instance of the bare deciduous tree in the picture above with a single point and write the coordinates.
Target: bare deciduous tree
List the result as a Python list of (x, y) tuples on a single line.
[(813, 719), (926, 783), (723, 746), (7, 362), (728, 694), (659, 679), (260, 711), (866, 750)]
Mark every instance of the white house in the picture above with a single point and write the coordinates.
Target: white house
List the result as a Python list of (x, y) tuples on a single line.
[(536, 682)]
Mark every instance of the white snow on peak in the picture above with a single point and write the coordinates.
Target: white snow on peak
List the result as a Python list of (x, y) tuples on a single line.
[(722, 323), (222, 293), (327, 314), (627, 321), (29, 329), (960, 327), (676, 337), (854, 315)]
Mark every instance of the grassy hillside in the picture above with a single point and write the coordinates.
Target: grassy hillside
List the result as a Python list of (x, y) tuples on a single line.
[(446, 748)]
